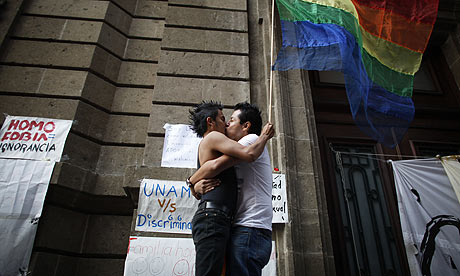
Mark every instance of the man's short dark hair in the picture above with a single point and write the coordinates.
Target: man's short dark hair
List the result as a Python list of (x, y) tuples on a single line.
[(251, 113), (202, 111)]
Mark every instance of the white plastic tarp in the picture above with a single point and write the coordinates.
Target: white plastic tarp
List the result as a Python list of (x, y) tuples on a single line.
[(452, 166), (23, 186), (427, 203)]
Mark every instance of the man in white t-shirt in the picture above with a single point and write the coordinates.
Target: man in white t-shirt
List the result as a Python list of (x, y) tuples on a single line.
[(250, 244)]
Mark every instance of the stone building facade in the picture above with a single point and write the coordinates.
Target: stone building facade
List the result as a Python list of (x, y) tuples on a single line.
[(121, 69)]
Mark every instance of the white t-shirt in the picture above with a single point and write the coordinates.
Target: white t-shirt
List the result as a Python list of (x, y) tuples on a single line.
[(254, 205)]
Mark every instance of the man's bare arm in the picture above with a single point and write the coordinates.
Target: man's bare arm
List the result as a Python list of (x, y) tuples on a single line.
[(226, 146), (213, 167)]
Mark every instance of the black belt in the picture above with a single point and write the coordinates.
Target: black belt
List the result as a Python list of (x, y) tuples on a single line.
[(214, 205)]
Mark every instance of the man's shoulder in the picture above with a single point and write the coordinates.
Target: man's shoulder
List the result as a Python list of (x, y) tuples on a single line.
[(213, 135), (248, 139)]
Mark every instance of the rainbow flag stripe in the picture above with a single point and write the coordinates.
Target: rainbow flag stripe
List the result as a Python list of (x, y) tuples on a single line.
[(378, 45)]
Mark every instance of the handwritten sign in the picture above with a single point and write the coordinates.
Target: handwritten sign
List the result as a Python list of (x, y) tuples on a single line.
[(180, 149), (33, 138), (23, 186), (169, 256), (165, 206), (279, 199)]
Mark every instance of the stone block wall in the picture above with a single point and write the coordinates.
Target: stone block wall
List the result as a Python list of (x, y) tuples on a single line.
[(93, 62), (119, 69)]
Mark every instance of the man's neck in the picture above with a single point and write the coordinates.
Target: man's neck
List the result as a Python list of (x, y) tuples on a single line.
[(207, 132)]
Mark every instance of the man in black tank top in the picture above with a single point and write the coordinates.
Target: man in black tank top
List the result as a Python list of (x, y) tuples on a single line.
[(211, 223)]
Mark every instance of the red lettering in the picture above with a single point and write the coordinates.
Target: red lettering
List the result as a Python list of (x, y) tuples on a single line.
[(25, 136), (49, 127), (35, 124), (13, 124), (23, 125), (15, 136), (42, 136), (5, 136)]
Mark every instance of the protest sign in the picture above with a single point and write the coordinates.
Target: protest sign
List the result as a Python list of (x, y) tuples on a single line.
[(180, 147), (170, 256), (279, 199), (33, 138), (23, 186), (165, 206)]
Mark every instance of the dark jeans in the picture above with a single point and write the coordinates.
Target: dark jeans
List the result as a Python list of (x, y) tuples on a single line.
[(210, 232), (248, 251)]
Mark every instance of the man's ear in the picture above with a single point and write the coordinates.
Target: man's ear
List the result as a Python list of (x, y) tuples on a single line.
[(209, 121), (246, 126)]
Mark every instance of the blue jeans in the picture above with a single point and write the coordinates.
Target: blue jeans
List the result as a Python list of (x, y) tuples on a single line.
[(248, 251), (210, 232)]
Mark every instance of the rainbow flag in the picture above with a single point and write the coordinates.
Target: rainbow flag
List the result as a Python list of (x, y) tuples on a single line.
[(378, 45)]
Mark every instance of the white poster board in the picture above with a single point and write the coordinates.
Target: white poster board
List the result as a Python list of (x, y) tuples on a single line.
[(279, 199), (23, 186), (180, 148), (33, 138), (157, 256), (165, 206)]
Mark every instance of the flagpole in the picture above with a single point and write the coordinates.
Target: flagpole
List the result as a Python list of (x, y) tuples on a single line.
[(270, 92)]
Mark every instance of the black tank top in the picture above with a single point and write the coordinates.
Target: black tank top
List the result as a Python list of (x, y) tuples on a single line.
[(226, 193)]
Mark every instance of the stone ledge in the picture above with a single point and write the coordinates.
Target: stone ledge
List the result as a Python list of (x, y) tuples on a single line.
[(194, 90), (217, 41), (204, 65), (207, 18)]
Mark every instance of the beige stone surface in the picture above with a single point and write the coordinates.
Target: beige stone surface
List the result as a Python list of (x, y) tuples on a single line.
[(90, 121), (220, 4), (193, 90), (112, 40), (49, 53), (9, 15), (98, 91), (153, 151), (133, 175), (81, 153), (42, 263), (109, 185), (126, 129), (204, 64), (148, 28), (137, 73), (100, 267), (69, 8), (148, 8), (231, 42), (105, 64), (56, 221), (207, 18), (57, 28), (118, 18), (43, 81), (38, 107), (132, 100), (82, 179), (128, 5), (107, 234), (139, 49), (114, 159)]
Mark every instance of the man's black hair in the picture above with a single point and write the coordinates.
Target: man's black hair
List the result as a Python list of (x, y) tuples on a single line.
[(251, 113), (202, 111)]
